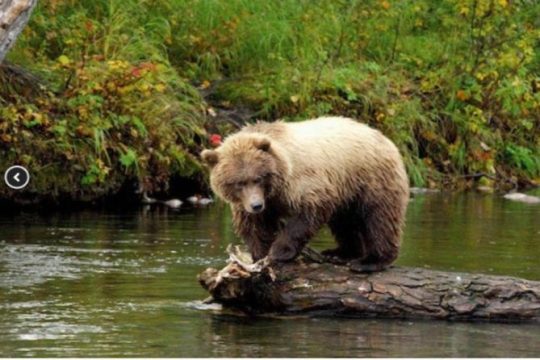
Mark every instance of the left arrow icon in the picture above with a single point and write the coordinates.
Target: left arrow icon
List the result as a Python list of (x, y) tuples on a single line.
[(17, 177)]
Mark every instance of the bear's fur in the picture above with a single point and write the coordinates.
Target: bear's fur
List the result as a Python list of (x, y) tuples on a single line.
[(284, 181)]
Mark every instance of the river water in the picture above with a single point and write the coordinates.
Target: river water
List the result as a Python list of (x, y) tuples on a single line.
[(123, 283)]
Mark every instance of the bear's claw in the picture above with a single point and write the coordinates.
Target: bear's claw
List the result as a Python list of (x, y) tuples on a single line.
[(334, 256), (282, 252), (358, 267), (312, 255)]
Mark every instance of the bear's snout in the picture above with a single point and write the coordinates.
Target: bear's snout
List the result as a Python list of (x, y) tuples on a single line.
[(257, 206), (253, 199)]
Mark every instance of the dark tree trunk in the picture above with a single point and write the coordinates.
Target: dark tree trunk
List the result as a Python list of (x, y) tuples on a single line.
[(14, 15), (308, 287)]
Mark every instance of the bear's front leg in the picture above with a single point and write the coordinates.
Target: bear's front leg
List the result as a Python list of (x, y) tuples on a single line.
[(292, 239), (257, 230)]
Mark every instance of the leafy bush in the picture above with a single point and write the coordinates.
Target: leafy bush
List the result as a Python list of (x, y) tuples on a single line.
[(112, 107)]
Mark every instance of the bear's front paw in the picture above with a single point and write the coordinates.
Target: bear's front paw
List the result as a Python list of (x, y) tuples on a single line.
[(282, 252)]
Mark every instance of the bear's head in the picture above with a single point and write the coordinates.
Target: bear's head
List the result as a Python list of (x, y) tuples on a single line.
[(246, 170)]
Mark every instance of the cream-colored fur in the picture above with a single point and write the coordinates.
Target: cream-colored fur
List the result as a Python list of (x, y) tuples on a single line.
[(329, 156)]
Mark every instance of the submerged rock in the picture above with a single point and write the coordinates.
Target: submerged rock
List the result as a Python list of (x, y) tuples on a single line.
[(524, 198), (148, 200), (173, 203), (419, 190), (485, 189), (199, 200)]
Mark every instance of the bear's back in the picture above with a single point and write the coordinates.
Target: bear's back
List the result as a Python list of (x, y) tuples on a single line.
[(327, 140), (312, 130), (274, 130), (338, 138)]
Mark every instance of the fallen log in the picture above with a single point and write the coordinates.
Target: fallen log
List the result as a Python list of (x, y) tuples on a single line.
[(310, 286)]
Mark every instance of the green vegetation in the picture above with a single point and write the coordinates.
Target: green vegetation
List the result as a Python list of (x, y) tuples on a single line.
[(110, 107), (455, 83)]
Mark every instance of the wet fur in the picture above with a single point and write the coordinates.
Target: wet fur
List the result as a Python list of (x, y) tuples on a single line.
[(331, 171)]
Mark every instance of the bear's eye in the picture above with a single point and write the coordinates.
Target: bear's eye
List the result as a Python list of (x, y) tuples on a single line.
[(240, 184), (257, 180)]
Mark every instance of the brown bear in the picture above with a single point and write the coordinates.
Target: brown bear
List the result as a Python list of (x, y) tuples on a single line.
[(284, 181)]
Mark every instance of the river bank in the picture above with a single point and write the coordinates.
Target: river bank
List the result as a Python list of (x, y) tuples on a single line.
[(98, 95)]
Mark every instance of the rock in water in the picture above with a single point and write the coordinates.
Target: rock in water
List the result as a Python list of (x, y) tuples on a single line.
[(524, 198), (420, 191), (173, 203)]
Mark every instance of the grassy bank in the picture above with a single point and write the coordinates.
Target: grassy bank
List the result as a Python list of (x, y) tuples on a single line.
[(455, 83), (103, 105)]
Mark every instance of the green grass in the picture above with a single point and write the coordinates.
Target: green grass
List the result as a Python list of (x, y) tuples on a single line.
[(451, 82), (455, 83)]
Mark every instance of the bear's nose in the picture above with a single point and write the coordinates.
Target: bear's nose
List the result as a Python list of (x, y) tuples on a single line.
[(257, 207)]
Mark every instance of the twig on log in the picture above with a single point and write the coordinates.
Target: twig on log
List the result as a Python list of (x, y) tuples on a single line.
[(307, 287)]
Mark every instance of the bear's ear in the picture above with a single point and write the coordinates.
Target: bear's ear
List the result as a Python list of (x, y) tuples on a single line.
[(262, 143), (210, 157)]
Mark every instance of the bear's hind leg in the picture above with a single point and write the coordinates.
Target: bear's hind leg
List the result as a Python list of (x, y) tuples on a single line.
[(347, 228), (382, 233)]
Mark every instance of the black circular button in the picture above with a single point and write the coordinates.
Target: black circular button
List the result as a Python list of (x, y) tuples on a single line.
[(16, 177)]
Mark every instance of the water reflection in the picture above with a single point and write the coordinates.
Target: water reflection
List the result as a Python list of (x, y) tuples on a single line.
[(367, 338), (124, 284)]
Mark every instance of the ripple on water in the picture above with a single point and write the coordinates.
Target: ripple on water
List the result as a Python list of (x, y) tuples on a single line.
[(201, 305), (199, 260), (28, 265), (58, 331), (25, 265)]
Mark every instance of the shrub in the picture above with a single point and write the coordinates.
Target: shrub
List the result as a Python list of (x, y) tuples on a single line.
[(109, 108)]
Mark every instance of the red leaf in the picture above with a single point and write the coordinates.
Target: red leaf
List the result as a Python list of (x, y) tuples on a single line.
[(136, 72)]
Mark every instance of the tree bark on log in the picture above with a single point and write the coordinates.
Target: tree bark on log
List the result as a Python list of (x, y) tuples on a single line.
[(14, 15), (309, 287)]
